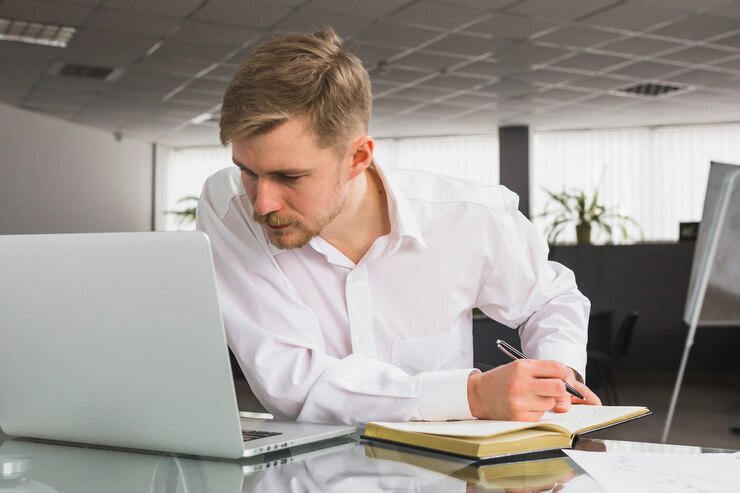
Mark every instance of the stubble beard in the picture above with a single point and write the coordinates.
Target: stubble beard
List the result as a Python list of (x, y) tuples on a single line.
[(298, 234)]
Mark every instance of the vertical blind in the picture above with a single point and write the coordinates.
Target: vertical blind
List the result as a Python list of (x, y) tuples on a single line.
[(185, 172), (472, 157), (657, 176)]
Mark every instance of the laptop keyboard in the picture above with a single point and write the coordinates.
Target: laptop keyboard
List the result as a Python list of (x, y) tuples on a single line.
[(248, 435)]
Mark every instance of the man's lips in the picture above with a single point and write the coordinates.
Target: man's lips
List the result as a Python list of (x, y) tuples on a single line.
[(277, 228)]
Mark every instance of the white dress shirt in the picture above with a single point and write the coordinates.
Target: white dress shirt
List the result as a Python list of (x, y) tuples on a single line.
[(323, 339)]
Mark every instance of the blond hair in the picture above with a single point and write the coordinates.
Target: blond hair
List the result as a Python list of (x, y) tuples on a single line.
[(299, 75)]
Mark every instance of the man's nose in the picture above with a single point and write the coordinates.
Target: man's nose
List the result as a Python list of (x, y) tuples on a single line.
[(266, 198)]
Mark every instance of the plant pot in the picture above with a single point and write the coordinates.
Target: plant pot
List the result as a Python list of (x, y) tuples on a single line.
[(583, 234)]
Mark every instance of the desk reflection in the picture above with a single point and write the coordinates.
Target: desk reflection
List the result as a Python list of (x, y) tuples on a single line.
[(349, 465)]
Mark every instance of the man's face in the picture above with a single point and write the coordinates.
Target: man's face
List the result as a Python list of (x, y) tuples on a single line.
[(295, 187)]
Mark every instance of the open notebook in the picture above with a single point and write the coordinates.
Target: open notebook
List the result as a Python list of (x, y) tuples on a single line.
[(482, 439)]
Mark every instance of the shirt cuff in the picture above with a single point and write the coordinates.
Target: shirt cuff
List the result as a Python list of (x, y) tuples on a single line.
[(569, 355), (444, 395)]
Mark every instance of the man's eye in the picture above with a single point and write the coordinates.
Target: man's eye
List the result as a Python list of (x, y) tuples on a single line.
[(290, 178), (247, 172)]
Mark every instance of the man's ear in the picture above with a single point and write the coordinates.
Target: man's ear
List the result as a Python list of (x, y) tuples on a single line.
[(362, 155)]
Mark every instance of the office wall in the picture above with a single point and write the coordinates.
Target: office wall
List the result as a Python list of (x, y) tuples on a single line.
[(58, 177)]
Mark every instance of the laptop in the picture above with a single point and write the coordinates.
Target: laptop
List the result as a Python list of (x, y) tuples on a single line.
[(117, 340)]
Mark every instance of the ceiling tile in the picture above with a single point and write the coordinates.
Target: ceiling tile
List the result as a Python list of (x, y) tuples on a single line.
[(502, 25), (421, 94), (466, 45), (545, 76), (11, 51), (452, 82), (437, 15), (559, 95), (491, 68), (45, 11), (698, 27), (106, 48), (430, 62), (255, 14), (590, 62), (601, 83), (646, 70), (688, 5), (701, 77), (196, 32), (698, 55), (371, 54), (175, 8), (401, 74), (727, 9), (733, 41), (136, 23), (482, 4), (473, 99), (529, 54), (577, 36), (204, 52), (223, 72), (733, 64), (396, 35), (640, 46), (633, 16), (511, 87), (173, 65), (562, 9), (360, 8), (305, 20)]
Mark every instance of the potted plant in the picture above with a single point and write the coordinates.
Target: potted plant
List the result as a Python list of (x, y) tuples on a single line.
[(186, 216), (574, 207)]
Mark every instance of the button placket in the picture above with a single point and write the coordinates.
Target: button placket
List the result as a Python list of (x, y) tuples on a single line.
[(359, 312)]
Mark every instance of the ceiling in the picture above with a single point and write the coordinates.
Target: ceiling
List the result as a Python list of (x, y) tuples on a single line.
[(439, 67)]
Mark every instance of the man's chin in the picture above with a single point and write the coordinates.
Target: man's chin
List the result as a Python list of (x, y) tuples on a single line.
[(288, 240)]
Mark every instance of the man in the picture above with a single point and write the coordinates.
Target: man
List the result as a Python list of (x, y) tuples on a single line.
[(346, 289)]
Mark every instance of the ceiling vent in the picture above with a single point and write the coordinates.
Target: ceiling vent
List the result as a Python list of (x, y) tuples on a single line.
[(35, 33), (80, 71), (652, 89)]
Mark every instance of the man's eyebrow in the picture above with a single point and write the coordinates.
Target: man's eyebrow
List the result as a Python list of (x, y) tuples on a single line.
[(277, 172)]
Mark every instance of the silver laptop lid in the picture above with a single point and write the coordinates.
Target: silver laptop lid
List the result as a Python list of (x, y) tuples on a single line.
[(115, 339)]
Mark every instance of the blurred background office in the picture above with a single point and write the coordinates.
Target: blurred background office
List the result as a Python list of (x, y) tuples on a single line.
[(109, 121)]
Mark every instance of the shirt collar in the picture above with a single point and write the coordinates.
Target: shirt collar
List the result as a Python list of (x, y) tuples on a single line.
[(403, 221)]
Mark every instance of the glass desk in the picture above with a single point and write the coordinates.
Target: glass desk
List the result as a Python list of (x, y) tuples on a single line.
[(343, 465)]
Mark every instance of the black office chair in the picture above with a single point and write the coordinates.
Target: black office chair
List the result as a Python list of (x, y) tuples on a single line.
[(603, 361)]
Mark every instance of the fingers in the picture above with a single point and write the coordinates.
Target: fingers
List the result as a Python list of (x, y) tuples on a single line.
[(589, 397)]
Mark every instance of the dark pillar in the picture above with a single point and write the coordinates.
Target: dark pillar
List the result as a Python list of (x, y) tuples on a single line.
[(513, 154)]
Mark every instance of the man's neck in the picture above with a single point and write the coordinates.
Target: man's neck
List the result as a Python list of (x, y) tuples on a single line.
[(363, 219)]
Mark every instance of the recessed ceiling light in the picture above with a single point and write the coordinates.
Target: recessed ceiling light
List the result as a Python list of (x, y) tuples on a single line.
[(35, 33)]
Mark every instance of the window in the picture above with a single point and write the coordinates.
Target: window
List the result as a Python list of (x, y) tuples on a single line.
[(657, 176)]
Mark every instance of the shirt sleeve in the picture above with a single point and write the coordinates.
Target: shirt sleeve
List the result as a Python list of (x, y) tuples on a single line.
[(540, 297), (279, 344)]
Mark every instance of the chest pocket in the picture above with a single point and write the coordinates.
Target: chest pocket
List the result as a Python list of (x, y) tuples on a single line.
[(439, 352)]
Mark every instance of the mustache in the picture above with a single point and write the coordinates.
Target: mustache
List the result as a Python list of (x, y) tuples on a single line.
[(272, 219)]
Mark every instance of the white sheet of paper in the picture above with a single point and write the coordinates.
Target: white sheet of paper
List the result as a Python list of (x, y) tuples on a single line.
[(661, 473)]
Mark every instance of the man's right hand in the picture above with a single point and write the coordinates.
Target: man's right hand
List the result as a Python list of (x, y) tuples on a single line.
[(519, 391)]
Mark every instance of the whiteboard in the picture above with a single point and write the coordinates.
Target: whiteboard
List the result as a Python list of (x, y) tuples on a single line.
[(717, 253)]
